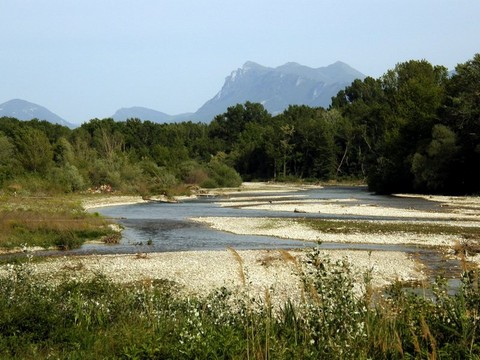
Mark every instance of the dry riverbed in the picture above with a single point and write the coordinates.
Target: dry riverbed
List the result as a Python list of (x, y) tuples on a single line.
[(251, 272)]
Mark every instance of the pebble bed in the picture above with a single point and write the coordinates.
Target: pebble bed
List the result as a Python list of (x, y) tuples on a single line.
[(250, 271), (291, 229)]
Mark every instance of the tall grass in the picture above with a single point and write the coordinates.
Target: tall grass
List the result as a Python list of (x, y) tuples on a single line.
[(99, 319)]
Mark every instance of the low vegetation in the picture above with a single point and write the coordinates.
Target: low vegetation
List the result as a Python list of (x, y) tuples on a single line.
[(96, 318), (392, 227), (58, 222)]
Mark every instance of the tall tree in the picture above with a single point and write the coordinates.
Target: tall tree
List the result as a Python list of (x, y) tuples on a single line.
[(415, 92), (228, 126), (33, 150), (462, 115)]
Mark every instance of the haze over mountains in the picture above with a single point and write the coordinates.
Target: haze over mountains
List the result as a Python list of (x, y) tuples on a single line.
[(24, 110), (275, 88)]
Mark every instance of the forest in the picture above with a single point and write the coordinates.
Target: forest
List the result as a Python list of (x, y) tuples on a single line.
[(414, 129)]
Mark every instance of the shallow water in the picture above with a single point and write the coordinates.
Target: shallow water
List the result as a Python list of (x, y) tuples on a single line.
[(156, 227), (165, 227)]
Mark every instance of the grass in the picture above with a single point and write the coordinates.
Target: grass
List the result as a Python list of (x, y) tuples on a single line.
[(379, 227), (47, 222), (96, 318)]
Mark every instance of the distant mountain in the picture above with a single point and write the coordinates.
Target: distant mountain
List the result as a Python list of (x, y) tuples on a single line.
[(277, 88), (24, 110), (147, 114)]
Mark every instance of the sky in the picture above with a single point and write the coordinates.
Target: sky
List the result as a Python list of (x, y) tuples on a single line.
[(86, 59)]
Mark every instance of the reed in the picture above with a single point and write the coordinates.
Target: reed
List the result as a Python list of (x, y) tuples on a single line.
[(241, 269), (96, 318)]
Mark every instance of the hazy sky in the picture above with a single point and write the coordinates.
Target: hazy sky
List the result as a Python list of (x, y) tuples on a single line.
[(87, 58)]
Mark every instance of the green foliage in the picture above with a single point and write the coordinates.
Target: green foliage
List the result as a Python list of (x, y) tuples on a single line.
[(68, 178), (6, 159), (191, 172), (461, 115), (34, 150), (221, 175), (95, 318), (434, 169), (412, 129), (409, 129), (160, 179)]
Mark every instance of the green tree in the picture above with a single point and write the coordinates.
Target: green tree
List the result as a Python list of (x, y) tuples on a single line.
[(228, 126), (7, 150), (361, 127), (415, 92), (249, 154), (310, 151), (63, 152), (33, 150), (435, 168), (462, 115)]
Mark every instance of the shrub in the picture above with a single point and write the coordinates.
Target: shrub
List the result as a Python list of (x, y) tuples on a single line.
[(222, 175), (190, 172), (67, 178)]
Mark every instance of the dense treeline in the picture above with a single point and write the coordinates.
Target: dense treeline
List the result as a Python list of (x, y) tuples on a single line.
[(416, 128)]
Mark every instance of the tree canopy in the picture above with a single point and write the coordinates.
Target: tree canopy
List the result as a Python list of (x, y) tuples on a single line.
[(415, 129)]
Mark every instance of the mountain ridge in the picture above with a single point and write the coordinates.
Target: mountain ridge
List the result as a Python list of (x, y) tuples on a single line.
[(275, 88), (25, 110), (144, 113)]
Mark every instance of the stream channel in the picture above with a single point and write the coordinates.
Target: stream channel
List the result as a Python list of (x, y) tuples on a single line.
[(161, 227)]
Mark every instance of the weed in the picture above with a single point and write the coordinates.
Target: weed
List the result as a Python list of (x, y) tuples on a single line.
[(96, 318)]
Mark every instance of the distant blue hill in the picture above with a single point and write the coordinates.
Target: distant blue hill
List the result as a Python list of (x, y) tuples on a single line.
[(24, 110), (274, 88), (143, 113), (277, 88)]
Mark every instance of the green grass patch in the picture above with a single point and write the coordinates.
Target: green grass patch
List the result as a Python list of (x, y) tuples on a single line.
[(381, 227), (48, 222), (269, 224)]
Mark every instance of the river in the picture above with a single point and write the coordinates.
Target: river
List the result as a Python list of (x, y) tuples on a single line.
[(157, 227)]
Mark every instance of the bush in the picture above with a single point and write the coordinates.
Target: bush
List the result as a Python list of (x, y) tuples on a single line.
[(209, 184), (190, 172), (67, 178), (222, 175)]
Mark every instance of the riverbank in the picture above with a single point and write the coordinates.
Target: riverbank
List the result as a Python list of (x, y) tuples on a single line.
[(97, 201), (201, 272), (250, 271)]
